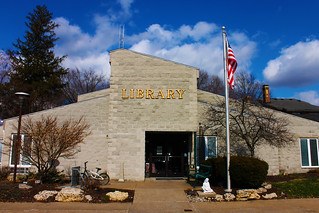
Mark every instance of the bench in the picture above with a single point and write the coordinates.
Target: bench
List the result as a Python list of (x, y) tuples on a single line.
[(204, 171)]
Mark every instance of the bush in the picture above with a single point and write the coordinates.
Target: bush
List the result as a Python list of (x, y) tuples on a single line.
[(245, 172), (4, 173), (52, 176), (218, 177)]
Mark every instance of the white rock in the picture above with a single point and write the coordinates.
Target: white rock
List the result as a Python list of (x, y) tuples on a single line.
[(270, 196), (247, 194), (44, 195), (24, 186), (229, 197), (261, 190), (69, 194), (219, 198), (117, 196), (268, 186), (88, 198)]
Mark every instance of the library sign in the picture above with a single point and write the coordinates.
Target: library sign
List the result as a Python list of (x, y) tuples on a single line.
[(153, 94)]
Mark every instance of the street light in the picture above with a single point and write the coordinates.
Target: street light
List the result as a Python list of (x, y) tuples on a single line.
[(21, 96)]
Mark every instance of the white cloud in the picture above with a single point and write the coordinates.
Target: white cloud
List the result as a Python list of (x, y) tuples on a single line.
[(309, 96), (126, 6), (85, 51), (298, 65), (89, 51), (199, 45)]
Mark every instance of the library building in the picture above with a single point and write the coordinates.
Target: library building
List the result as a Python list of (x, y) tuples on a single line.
[(148, 125)]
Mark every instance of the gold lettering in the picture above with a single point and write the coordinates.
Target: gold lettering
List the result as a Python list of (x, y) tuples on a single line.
[(160, 94), (131, 93), (180, 93), (140, 93), (124, 96), (149, 94), (170, 94), (153, 94)]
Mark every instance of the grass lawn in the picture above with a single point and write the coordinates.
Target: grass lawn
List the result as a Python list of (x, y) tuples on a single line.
[(306, 187)]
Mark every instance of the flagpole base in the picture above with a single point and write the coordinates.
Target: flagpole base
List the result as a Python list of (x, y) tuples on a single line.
[(228, 190)]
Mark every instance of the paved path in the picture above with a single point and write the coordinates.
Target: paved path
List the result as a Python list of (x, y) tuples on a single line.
[(164, 197)]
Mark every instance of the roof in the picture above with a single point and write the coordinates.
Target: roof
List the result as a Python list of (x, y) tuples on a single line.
[(295, 107), (151, 56)]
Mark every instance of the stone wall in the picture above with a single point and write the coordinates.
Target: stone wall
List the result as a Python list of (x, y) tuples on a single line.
[(147, 94), (281, 160), (94, 150)]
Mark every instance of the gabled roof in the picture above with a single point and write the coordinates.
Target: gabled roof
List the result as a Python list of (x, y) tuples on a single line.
[(151, 56), (295, 107)]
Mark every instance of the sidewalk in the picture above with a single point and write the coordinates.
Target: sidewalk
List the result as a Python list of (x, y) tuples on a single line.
[(164, 196)]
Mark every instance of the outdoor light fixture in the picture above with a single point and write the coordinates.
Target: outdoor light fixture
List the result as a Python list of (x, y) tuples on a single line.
[(21, 96)]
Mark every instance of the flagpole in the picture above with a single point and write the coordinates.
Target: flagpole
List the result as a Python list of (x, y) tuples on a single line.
[(227, 110)]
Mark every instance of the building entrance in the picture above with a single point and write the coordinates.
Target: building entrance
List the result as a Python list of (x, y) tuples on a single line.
[(167, 154)]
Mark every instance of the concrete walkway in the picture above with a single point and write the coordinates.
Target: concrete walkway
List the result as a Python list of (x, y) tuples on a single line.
[(164, 196)]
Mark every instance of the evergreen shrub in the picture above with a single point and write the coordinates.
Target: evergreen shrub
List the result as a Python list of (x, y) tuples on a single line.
[(245, 172)]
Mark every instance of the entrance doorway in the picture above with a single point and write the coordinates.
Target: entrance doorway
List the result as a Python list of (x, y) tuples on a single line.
[(167, 154)]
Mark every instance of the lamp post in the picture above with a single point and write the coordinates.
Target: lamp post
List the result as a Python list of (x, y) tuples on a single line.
[(17, 143)]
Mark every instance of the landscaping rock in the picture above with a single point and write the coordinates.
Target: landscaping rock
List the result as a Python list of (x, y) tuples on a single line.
[(219, 198), (247, 194), (270, 196), (44, 195), (88, 198), (24, 186), (261, 190), (206, 194), (229, 197), (117, 196), (267, 186), (69, 194)]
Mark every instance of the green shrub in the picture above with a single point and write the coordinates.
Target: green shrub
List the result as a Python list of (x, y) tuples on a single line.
[(218, 177), (247, 172), (4, 173)]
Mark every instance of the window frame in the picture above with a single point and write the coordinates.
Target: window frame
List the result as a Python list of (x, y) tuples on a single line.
[(309, 153), (22, 163), (206, 140)]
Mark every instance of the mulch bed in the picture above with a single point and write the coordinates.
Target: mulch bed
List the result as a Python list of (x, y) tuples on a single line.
[(10, 192)]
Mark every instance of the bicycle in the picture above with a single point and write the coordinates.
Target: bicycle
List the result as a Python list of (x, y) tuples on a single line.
[(90, 178)]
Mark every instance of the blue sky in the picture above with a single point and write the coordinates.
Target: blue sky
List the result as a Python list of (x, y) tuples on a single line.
[(276, 40)]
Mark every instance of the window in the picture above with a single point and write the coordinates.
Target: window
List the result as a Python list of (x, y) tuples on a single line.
[(26, 145), (206, 147), (309, 152)]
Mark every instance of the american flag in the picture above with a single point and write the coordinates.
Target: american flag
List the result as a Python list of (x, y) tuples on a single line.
[(232, 65)]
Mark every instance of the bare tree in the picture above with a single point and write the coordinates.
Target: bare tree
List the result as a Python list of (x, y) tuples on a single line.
[(252, 124), (51, 140), (249, 122), (80, 82), (210, 83), (4, 67), (246, 87)]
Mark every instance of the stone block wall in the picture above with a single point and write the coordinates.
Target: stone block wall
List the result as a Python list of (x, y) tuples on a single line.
[(94, 149), (282, 160), (147, 94)]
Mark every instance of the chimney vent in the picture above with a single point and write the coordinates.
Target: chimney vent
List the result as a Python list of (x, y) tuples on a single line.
[(266, 94)]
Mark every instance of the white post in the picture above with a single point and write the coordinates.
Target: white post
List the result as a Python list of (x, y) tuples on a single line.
[(227, 110), (122, 173)]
